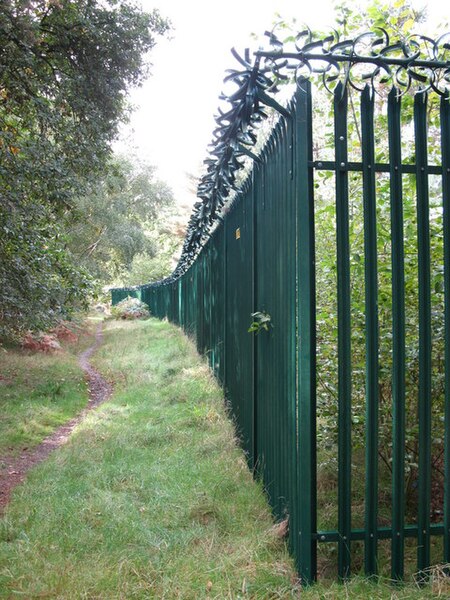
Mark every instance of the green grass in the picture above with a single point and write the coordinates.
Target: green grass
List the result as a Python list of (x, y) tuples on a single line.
[(38, 392), (151, 498)]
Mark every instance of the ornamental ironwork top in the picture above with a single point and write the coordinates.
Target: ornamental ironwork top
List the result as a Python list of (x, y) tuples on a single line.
[(371, 57)]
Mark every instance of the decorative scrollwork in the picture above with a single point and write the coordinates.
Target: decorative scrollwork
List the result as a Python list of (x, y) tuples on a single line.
[(416, 62)]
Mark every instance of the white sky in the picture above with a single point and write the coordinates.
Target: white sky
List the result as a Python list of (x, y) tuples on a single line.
[(173, 121)]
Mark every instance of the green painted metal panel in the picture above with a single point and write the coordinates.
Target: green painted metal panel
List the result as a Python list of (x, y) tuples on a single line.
[(217, 249), (275, 213), (207, 303), (199, 307), (239, 306)]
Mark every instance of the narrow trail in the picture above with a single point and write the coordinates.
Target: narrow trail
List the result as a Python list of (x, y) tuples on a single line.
[(13, 469)]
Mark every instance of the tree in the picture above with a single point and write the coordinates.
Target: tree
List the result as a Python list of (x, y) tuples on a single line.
[(114, 218), (65, 68), (166, 234)]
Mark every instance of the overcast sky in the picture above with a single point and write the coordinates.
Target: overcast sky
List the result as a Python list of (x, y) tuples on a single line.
[(173, 121)]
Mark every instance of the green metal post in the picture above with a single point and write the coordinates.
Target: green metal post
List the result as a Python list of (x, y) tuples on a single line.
[(398, 339), (371, 313), (257, 175), (344, 332), (254, 398), (445, 145), (306, 336), (424, 401), (225, 304)]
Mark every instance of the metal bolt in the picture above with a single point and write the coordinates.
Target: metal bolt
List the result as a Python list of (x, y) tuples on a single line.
[(319, 164), (344, 537), (342, 165), (341, 138), (371, 535), (422, 168), (369, 166), (398, 533), (395, 168), (323, 538), (424, 531)]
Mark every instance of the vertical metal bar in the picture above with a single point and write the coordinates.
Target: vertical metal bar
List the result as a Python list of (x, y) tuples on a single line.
[(293, 506), (398, 338), (254, 308), (225, 303), (258, 200), (371, 313), (279, 383), (282, 218), (344, 333), (291, 417), (209, 344), (445, 145), (306, 505), (424, 400)]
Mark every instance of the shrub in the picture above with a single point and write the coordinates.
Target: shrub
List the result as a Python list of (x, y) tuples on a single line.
[(130, 308)]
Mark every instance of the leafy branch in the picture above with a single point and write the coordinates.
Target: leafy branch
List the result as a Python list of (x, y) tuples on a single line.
[(261, 321)]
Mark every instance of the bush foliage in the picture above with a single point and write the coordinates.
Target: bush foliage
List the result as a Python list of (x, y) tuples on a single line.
[(130, 308)]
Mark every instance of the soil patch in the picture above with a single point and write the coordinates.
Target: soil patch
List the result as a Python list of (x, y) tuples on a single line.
[(13, 469)]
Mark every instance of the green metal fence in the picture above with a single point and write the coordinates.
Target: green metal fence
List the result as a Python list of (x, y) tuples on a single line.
[(262, 258)]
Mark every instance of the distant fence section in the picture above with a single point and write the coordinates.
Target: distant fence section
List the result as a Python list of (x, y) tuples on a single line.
[(257, 256)]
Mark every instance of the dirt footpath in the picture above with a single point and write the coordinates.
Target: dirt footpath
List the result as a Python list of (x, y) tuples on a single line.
[(13, 470)]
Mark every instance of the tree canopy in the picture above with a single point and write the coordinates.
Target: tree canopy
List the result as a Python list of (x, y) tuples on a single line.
[(65, 68), (115, 218)]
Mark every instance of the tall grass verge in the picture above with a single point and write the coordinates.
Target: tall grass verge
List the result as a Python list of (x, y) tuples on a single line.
[(39, 392), (151, 497)]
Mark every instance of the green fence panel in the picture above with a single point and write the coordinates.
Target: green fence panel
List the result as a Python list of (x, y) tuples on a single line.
[(239, 359), (207, 342), (275, 293), (218, 295)]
